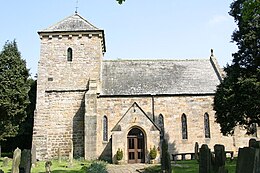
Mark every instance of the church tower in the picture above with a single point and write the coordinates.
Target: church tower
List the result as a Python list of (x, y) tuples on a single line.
[(68, 75)]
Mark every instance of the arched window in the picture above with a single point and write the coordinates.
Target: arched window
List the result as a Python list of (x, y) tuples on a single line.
[(184, 126), (105, 129), (69, 54), (161, 124), (206, 125)]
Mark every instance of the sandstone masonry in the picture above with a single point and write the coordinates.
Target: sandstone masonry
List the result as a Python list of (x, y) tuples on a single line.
[(102, 106)]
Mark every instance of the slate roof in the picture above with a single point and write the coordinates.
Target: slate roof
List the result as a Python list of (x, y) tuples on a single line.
[(72, 23), (141, 77)]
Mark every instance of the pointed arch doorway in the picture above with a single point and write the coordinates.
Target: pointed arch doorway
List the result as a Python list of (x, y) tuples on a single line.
[(136, 146)]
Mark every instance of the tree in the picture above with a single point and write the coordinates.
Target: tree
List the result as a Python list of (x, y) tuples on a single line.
[(237, 99), (120, 1), (14, 89)]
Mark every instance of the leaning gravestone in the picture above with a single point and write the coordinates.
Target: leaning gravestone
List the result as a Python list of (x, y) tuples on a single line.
[(205, 159), (16, 160), (220, 158), (25, 165)]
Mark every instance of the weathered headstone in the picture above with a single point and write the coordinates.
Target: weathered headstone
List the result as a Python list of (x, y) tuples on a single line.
[(196, 151), (248, 160), (252, 142), (25, 165), (71, 149), (33, 154), (48, 166), (71, 154), (220, 158), (16, 160), (59, 155), (257, 144), (5, 161), (205, 159)]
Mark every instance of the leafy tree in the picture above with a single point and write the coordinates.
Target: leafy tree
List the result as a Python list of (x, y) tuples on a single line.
[(120, 1), (14, 89), (237, 99)]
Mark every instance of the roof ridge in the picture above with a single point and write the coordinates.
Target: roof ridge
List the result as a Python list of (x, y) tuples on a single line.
[(85, 20), (155, 60), (68, 24)]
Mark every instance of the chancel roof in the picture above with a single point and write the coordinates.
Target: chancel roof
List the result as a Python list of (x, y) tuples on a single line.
[(142, 77), (72, 23)]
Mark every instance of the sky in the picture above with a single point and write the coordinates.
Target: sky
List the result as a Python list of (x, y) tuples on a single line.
[(137, 29)]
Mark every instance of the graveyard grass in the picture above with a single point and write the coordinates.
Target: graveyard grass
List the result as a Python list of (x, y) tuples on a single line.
[(63, 167), (187, 166), (190, 166)]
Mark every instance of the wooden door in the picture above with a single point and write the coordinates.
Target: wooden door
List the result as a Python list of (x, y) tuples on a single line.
[(135, 149)]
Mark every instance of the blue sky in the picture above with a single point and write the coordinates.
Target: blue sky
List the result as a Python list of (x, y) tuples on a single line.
[(138, 29)]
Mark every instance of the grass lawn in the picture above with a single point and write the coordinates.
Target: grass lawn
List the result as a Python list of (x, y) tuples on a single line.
[(190, 166), (63, 167), (187, 166)]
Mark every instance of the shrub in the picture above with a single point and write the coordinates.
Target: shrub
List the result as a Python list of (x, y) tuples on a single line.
[(119, 154), (153, 153), (97, 167)]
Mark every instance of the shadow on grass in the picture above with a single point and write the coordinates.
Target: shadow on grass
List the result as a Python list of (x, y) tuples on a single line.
[(189, 166), (61, 171)]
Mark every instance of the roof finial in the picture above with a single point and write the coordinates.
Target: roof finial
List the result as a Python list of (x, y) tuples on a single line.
[(77, 3), (211, 51)]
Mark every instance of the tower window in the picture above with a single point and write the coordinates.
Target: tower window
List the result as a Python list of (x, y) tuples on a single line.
[(69, 54), (206, 125), (105, 129), (184, 126)]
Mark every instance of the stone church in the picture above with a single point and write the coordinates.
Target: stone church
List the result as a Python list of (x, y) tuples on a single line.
[(92, 107)]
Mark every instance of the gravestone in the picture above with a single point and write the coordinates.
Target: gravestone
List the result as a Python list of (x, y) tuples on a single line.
[(71, 154), (220, 158), (196, 151), (33, 155), (25, 165), (257, 144), (1, 171), (48, 166), (59, 155), (16, 160), (248, 160), (0, 151), (205, 159), (252, 143), (5, 161)]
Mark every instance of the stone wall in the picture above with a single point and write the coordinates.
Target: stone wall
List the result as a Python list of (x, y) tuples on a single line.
[(171, 107), (61, 87), (60, 74), (65, 122)]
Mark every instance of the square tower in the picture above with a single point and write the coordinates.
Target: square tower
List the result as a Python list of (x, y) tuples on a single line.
[(70, 57)]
